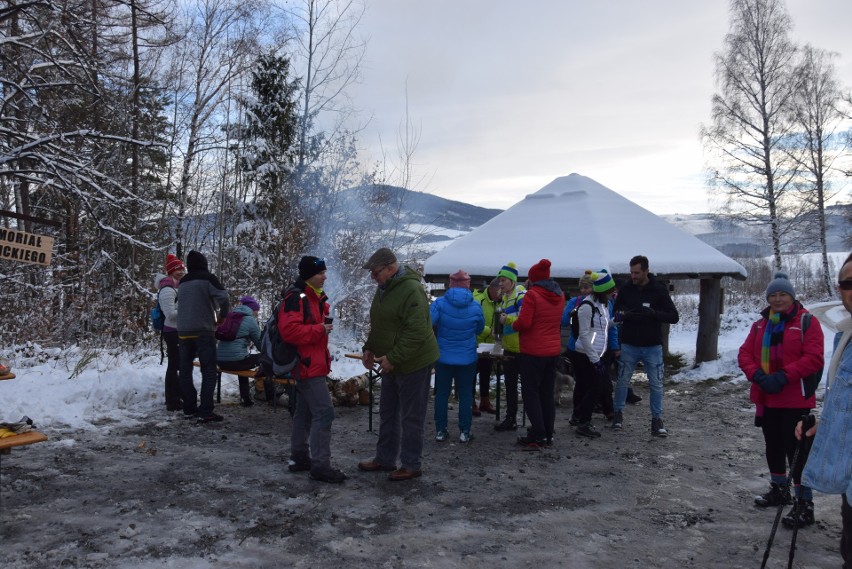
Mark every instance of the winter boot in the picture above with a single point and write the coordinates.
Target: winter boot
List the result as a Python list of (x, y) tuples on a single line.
[(657, 427), (485, 406), (801, 514), (775, 497), (245, 393), (617, 420), (587, 430), (508, 424)]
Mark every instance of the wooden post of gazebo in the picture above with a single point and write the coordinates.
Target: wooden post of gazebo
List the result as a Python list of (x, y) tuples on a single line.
[(709, 320)]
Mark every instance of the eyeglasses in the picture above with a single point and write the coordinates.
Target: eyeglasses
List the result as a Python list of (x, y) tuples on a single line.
[(845, 285), (376, 271)]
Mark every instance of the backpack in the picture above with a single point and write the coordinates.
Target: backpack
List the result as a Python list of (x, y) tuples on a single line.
[(811, 382), (227, 330), (158, 318), (575, 321), (277, 357)]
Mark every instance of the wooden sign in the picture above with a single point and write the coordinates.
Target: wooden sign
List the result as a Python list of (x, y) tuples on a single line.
[(25, 247)]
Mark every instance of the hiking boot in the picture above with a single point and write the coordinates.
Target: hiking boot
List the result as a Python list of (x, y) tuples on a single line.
[(617, 420), (573, 421), (632, 398), (211, 418), (657, 428), (299, 464), (442, 435), (465, 437), (486, 407), (587, 430), (530, 442), (801, 514), (548, 442), (508, 424), (328, 475), (246, 403), (775, 497)]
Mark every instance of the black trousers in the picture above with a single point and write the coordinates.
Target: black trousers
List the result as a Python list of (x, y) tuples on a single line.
[(172, 387), (483, 368), (779, 426), (251, 361), (538, 375)]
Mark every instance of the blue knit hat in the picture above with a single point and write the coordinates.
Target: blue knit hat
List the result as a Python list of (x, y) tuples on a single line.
[(510, 271), (780, 283), (602, 281)]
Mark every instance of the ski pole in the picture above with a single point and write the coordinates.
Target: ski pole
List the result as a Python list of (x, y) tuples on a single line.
[(806, 420)]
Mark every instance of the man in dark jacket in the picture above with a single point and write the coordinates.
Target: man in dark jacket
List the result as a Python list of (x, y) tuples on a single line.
[(310, 441), (402, 343), (201, 304), (642, 305)]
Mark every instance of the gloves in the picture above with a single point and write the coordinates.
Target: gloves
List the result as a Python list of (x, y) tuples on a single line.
[(758, 374), (771, 383), (618, 317)]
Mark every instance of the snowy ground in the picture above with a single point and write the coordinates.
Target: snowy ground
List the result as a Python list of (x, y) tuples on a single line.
[(123, 483)]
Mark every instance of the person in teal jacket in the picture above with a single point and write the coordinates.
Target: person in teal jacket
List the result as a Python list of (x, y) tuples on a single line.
[(402, 344), (234, 355)]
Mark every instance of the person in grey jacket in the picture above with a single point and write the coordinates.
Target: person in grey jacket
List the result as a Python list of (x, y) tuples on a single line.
[(234, 355), (203, 302)]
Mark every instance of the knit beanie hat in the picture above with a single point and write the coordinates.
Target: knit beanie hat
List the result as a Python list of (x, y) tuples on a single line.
[(540, 271), (780, 283), (250, 302), (196, 261), (459, 279), (310, 266), (602, 281), (173, 264), (587, 278), (510, 271)]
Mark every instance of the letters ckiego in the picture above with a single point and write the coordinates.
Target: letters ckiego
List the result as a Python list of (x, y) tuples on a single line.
[(25, 247)]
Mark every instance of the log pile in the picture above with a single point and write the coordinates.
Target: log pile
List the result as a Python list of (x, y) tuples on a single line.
[(350, 392)]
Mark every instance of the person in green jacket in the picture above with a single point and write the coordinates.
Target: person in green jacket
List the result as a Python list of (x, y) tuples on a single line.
[(510, 306), (488, 298), (402, 344)]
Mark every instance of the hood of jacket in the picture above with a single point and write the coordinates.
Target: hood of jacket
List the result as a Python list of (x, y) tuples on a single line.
[(458, 296), (550, 290)]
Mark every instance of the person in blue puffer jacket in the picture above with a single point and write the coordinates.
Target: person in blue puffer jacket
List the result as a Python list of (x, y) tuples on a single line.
[(234, 355), (457, 319)]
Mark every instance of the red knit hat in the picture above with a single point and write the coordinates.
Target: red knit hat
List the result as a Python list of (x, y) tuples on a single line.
[(173, 264), (540, 271)]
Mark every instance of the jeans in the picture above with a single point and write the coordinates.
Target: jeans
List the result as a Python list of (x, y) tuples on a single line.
[(652, 359), (464, 376), (312, 422), (402, 417), (205, 348), (538, 376)]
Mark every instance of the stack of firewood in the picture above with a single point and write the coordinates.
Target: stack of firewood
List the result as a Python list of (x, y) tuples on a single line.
[(350, 392)]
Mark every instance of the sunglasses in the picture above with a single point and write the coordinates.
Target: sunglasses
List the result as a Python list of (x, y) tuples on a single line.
[(845, 285)]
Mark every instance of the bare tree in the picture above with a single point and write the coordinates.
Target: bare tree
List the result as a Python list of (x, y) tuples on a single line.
[(752, 117), (818, 144)]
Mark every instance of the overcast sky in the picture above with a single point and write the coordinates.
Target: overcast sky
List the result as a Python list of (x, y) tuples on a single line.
[(508, 96)]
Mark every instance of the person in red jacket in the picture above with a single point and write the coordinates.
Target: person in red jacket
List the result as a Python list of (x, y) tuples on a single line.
[(310, 441), (539, 323), (777, 357)]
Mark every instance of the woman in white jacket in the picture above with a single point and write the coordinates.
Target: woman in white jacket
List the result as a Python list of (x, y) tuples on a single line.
[(594, 323)]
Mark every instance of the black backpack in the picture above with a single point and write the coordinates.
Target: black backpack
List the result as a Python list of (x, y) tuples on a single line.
[(811, 382), (277, 357), (575, 321)]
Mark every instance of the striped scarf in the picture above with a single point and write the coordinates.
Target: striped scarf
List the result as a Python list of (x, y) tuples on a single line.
[(773, 336)]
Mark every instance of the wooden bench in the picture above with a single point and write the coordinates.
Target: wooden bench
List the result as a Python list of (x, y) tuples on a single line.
[(9, 375), (28, 438), (252, 374)]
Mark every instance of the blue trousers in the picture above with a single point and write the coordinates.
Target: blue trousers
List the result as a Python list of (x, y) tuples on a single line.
[(464, 376), (652, 360)]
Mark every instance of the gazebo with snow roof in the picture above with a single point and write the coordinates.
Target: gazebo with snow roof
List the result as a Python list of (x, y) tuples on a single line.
[(580, 224)]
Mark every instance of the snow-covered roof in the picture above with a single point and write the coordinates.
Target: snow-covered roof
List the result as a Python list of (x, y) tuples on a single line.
[(579, 224)]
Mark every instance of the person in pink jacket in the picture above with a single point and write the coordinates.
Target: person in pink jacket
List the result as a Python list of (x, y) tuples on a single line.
[(779, 358), (539, 325)]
